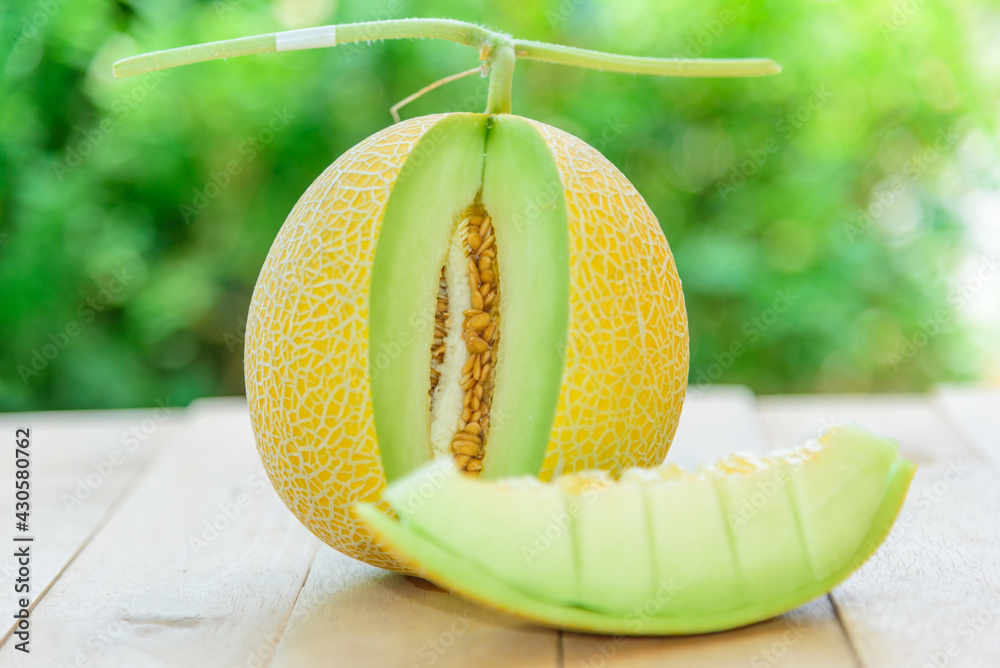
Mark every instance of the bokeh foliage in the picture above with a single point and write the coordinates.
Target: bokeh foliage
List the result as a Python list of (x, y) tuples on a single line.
[(136, 213)]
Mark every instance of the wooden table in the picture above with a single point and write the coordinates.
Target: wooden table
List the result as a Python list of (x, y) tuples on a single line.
[(158, 542)]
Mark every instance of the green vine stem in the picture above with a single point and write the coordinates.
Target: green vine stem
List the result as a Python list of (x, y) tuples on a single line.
[(501, 64), (497, 52)]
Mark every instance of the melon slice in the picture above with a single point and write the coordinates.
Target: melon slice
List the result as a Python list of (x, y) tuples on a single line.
[(661, 551)]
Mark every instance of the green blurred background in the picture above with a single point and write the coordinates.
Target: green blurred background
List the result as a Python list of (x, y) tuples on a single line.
[(834, 223)]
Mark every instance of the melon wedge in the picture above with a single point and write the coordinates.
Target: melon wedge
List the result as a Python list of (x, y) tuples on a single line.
[(660, 551)]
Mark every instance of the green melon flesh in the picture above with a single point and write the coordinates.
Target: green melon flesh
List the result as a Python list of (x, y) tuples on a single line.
[(506, 164), (658, 552)]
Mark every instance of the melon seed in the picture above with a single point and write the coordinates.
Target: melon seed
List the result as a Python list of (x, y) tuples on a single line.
[(478, 322), (479, 331), (476, 345)]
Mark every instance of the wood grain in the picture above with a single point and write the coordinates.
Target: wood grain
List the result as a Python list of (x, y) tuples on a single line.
[(974, 413), (716, 421), (81, 465), (931, 595), (922, 435), (144, 592), (365, 616), (130, 585)]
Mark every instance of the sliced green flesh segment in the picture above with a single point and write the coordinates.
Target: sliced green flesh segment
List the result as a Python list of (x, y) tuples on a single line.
[(760, 516), (522, 191), (840, 484), (529, 546), (510, 167), (682, 599), (438, 181), (693, 547), (605, 518)]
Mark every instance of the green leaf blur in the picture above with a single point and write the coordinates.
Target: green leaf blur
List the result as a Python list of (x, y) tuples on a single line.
[(808, 213)]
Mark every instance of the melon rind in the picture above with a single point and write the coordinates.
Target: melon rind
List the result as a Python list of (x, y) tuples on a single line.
[(681, 601), (627, 351), (307, 350)]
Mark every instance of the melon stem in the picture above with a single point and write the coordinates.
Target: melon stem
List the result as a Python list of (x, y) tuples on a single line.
[(501, 64), (496, 50)]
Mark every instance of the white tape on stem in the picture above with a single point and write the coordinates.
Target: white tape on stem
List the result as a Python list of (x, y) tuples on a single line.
[(306, 38)]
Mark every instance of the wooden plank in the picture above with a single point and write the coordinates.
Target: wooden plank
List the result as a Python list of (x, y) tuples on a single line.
[(145, 591), (794, 419), (81, 463), (931, 595), (718, 420), (974, 412), (365, 616)]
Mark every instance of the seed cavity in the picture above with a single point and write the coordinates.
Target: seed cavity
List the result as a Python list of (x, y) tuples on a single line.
[(476, 335)]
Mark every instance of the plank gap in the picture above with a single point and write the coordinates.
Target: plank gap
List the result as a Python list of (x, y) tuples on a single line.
[(288, 617), (847, 633)]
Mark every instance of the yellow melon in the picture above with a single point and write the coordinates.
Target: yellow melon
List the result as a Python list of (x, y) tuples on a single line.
[(590, 352)]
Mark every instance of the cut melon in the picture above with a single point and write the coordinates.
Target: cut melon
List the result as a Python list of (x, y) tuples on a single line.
[(661, 551), (478, 286)]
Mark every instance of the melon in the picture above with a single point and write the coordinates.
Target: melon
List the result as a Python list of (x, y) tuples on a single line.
[(485, 288), (482, 288), (659, 551)]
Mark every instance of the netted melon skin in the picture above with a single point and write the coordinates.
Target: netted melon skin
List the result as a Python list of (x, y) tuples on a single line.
[(627, 349), (307, 351), (306, 363)]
